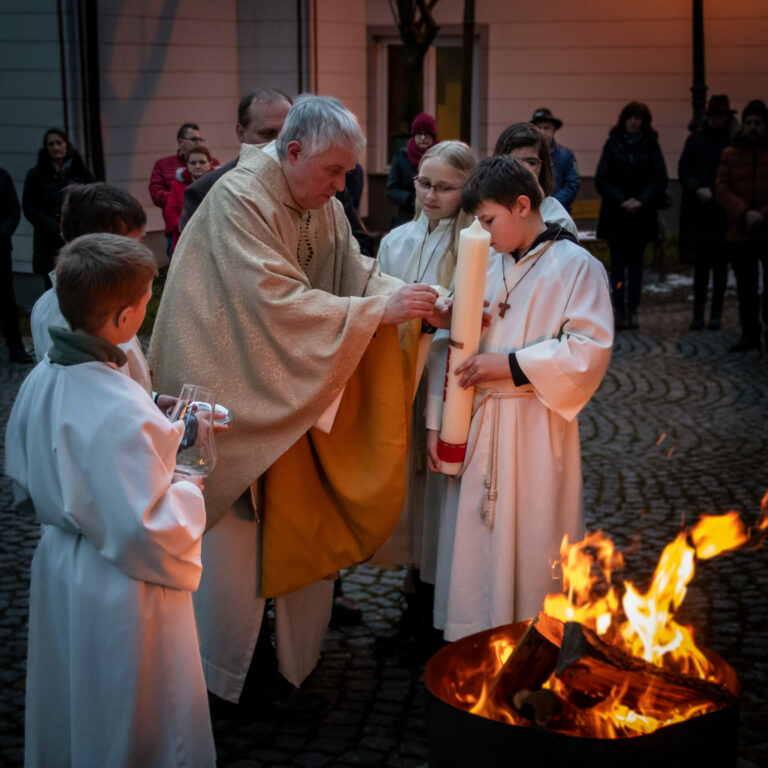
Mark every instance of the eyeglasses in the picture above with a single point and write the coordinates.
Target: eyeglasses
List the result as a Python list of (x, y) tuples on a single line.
[(194, 139), (439, 189), (532, 162)]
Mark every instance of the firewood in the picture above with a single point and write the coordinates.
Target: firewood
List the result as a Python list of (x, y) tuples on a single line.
[(531, 662), (591, 666)]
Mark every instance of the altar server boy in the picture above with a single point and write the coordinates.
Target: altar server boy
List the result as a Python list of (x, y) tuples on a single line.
[(114, 676), (540, 361)]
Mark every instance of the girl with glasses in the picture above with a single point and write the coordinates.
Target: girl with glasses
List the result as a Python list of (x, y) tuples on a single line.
[(424, 251), (526, 143)]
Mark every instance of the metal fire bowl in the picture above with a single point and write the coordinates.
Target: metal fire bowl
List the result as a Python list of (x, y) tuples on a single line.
[(459, 739)]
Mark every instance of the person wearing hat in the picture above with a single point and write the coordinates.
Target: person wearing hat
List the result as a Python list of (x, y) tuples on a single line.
[(405, 165), (702, 221), (741, 188), (565, 173)]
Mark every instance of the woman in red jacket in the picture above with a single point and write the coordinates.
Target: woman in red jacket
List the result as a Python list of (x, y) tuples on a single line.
[(199, 162)]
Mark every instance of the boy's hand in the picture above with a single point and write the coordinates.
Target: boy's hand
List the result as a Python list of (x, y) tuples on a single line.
[(443, 314), (489, 366), (195, 479), (166, 403), (433, 462)]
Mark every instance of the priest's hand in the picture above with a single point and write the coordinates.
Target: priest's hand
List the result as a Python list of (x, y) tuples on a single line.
[(433, 462), (489, 366), (409, 303)]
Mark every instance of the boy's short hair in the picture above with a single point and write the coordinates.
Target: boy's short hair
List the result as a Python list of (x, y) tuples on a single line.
[(100, 274), (199, 150), (500, 180), (99, 207)]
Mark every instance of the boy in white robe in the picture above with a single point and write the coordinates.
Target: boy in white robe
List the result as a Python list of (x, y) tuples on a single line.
[(114, 676), (540, 361), (87, 209)]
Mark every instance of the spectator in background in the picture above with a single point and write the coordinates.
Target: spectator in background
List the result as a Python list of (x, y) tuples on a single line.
[(631, 179), (164, 169), (526, 143), (260, 116), (565, 174), (58, 165), (702, 221), (10, 214), (405, 165), (199, 162), (741, 188)]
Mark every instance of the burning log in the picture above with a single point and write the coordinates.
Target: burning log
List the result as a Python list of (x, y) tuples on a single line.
[(590, 666), (532, 661)]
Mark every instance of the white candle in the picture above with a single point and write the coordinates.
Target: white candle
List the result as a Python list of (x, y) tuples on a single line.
[(466, 323)]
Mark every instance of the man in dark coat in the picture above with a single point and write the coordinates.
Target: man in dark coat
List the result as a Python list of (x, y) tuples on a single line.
[(702, 221), (10, 214), (260, 116), (565, 173), (741, 188)]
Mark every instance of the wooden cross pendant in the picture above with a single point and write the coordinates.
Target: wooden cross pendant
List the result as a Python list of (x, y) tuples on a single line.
[(503, 307)]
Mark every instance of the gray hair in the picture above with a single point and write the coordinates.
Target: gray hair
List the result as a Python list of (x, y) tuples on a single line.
[(320, 122)]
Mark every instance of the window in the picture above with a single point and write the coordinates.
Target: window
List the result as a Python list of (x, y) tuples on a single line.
[(442, 95)]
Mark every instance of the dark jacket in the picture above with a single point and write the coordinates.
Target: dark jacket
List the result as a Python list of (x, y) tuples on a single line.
[(565, 175), (42, 199), (630, 169), (400, 190), (742, 185), (700, 222), (10, 211)]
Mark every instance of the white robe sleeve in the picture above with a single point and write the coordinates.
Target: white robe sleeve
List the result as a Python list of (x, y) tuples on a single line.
[(117, 489), (565, 371)]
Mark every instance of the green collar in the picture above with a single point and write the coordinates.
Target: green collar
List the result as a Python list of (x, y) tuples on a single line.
[(74, 347)]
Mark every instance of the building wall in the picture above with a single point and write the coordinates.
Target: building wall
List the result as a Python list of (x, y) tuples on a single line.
[(585, 59), (30, 95), (162, 63)]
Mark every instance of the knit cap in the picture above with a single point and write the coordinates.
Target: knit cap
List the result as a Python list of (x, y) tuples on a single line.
[(424, 123)]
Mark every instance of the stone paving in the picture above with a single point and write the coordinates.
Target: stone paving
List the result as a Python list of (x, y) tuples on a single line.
[(678, 428)]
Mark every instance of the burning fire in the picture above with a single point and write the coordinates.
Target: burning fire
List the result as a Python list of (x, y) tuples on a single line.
[(640, 624)]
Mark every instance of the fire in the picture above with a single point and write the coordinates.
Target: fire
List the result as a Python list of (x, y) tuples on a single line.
[(639, 623)]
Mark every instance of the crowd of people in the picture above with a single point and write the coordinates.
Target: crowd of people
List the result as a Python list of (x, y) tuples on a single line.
[(333, 364)]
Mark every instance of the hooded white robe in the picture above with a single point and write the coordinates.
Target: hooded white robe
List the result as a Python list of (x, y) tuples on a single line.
[(114, 675), (46, 313), (496, 552)]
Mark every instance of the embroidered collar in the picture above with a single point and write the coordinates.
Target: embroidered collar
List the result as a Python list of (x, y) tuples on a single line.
[(552, 232), (74, 347)]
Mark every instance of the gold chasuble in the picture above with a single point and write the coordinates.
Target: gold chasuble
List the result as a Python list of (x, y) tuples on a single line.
[(333, 499), (274, 308)]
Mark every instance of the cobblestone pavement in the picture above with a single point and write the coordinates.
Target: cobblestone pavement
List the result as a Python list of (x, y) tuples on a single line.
[(678, 428)]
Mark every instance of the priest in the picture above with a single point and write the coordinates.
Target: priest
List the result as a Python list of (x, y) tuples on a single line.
[(269, 302)]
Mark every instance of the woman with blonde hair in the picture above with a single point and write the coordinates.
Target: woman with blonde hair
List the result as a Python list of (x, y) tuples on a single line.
[(424, 251)]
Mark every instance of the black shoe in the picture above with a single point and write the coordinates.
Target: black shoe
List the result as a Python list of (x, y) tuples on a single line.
[(421, 647), (21, 356), (697, 324), (619, 323), (281, 701), (744, 343), (714, 324), (632, 322), (345, 613)]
